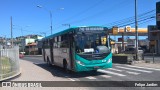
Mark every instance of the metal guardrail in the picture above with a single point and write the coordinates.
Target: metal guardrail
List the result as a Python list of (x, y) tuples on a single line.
[(9, 62)]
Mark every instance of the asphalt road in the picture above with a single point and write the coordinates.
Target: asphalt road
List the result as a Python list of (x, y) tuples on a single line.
[(119, 72)]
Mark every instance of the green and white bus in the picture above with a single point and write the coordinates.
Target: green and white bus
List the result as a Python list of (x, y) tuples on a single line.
[(77, 49)]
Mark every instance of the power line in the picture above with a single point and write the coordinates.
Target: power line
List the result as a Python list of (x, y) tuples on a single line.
[(132, 21), (100, 13), (84, 11), (138, 21), (126, 20), (129, 20), (147, 21)]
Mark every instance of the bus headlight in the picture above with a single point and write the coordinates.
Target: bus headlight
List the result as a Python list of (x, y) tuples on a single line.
[(109, 61), (80, 63), (104, 60)]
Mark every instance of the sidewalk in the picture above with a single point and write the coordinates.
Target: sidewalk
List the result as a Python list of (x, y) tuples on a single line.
[(32, 72), (150, 65)]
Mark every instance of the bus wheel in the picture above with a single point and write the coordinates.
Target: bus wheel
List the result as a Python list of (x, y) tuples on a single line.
[(94, 71), (64, 65), (48, 62)]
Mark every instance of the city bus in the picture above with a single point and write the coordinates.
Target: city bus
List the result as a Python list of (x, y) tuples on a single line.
[(85, 48)]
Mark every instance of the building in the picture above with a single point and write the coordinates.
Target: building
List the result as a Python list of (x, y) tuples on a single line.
[(154, 32), (117, 47), (143, 43), (154, 38), (29, 44)]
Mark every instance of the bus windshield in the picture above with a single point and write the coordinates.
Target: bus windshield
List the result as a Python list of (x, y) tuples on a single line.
[(94, 42)]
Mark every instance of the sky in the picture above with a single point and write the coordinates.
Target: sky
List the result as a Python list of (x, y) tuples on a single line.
[(27, 18)]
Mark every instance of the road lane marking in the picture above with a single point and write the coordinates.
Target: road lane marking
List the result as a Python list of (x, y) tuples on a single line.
[(115, 69), (134, 69), (134, 73), (109, 72), (144, 67), (90, 77), (105, 76)]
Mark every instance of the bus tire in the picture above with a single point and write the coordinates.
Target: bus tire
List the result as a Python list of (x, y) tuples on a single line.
[(94, 71), (64, 65), (48, 62)]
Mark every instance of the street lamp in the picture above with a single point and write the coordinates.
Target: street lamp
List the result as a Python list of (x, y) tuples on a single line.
[(50, 13)]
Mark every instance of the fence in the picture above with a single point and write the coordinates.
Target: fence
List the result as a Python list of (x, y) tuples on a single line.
[(9, 62)]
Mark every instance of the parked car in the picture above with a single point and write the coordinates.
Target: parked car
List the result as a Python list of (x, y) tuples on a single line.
[(133, 50)]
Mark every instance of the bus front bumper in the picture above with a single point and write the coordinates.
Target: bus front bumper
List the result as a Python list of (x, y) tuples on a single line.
[(82, 67)]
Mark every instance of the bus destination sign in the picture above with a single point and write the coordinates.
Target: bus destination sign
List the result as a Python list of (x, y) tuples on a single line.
[(91, 28)]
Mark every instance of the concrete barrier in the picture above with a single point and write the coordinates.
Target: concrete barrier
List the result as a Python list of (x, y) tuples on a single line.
[(126, 58)]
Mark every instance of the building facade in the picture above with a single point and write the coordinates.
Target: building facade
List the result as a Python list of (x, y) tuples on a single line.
[(154, 38)]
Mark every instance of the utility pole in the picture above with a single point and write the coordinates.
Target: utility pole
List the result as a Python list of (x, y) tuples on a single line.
[(51, 21), (11, 33), (136, 29), (123, 42)]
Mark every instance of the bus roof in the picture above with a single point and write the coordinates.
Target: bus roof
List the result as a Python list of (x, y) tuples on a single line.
[(69, 30)]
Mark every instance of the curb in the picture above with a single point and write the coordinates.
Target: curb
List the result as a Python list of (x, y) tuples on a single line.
[(12, 76)]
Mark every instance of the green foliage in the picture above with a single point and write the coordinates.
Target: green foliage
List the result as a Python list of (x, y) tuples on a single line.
[(6, 67)]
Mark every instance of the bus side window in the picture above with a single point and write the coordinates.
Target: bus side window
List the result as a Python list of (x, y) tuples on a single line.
[(46, 44), (58, 44), (59, 41), (64, 41), (55, 42)]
